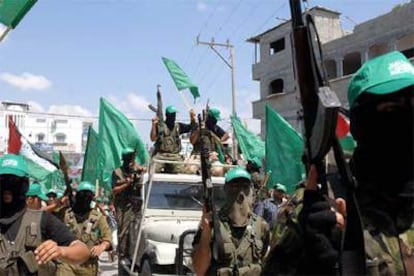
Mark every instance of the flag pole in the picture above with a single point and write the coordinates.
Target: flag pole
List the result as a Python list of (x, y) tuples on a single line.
[(97, 194), (186, 103), (3, 35)]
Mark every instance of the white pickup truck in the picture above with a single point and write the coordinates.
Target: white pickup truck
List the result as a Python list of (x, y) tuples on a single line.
[(173, 208)]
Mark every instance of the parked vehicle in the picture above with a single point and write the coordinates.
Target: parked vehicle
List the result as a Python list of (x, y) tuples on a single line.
[(173, 207)]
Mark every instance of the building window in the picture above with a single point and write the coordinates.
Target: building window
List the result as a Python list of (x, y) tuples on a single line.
[(40, 137), (277, 46), (276, 87), (377, 50), (405, 45), (61, 121), (60, 138), (351, 63), (40, 120)]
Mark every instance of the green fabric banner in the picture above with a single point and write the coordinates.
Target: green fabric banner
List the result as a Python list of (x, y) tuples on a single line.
[(250, 144), (181, 80), (284, 149), (116, 132), (90, 159), (13, 11)]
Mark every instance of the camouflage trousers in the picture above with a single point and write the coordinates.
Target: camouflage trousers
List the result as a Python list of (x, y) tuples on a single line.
[(169, 168), (90, 268), (124, 218)]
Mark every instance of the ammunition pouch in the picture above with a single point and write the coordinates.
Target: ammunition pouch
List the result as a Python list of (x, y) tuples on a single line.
[(249, 270)]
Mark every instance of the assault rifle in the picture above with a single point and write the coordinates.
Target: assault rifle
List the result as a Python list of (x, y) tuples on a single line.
[(158, 110), (204, 140), (64, 168), (320, 107)]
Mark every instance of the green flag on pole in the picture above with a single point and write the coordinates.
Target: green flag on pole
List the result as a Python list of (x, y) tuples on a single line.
[(116, 132), (90, 158), (250, 144), (284, 149), (181, 80), (13, 11)]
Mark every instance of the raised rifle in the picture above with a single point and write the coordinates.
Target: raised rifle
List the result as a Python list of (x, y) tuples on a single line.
[(158, 110), (204, 140), (64, 168), (320, 108)]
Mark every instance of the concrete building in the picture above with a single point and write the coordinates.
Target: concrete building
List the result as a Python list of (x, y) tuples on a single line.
[(343, 52), (47, 132)]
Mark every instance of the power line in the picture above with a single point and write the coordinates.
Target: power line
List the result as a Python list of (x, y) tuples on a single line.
[(227, 19)]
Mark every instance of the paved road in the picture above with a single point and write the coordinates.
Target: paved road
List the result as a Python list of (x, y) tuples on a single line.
[(107, 268)]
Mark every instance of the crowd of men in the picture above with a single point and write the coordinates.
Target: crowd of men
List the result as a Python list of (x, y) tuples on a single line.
[(258, 231), (302, 234)]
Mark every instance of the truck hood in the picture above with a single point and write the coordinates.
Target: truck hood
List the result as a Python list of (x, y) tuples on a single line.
[(168, 230)]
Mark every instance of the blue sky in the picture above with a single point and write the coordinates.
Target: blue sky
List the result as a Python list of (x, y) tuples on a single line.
[(65, 54)]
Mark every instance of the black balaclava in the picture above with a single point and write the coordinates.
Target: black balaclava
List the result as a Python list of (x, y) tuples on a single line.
[(383, 159), (18, 187), (211, 122), (82, 203), (170, 120), (127, 160)]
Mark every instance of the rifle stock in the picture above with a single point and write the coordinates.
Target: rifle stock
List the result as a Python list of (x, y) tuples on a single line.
[(320, 107)]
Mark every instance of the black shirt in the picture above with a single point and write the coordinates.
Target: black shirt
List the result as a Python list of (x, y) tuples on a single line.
[(218, 131), (51, 227), (184, 128)]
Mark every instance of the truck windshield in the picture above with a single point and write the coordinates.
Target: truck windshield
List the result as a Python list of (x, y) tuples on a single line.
[(181, 196)]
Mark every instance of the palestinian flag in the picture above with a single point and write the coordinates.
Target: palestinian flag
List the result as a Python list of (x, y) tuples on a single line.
[(40, 167), (343, 132)]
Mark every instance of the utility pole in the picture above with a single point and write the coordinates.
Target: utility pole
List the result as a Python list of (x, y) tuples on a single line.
[(212, 44)]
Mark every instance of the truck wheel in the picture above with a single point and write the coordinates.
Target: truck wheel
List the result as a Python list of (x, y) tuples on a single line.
[(146, 269)]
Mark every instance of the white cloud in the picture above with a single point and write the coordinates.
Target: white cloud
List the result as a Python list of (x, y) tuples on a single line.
[(35, 106), (132, 105), (201, 6), (137, 102), (66, 109), (26, 81)]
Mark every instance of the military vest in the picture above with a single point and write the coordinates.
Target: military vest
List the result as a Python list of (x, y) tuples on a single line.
[(132, 195), (240, 257), (169, 140), (212, 145), (28, 238), (86, 231)]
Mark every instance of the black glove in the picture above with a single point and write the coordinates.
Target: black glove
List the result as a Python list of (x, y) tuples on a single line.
[(317, 221)]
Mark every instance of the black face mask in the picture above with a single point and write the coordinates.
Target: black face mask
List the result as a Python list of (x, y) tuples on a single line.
[(82, 202), (383, 129), (383, 159), (17, 187), (211, 122), (170, 120)]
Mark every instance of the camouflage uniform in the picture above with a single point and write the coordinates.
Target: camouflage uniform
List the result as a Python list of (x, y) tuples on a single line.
[(92, 231), (286, 245), (168, 147), (127, 207), (23, 247)]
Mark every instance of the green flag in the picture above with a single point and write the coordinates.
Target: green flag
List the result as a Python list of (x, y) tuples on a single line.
[(250, 144), (181, 80), (13, 11), (116, 132), (90, 158), (284, 149)]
